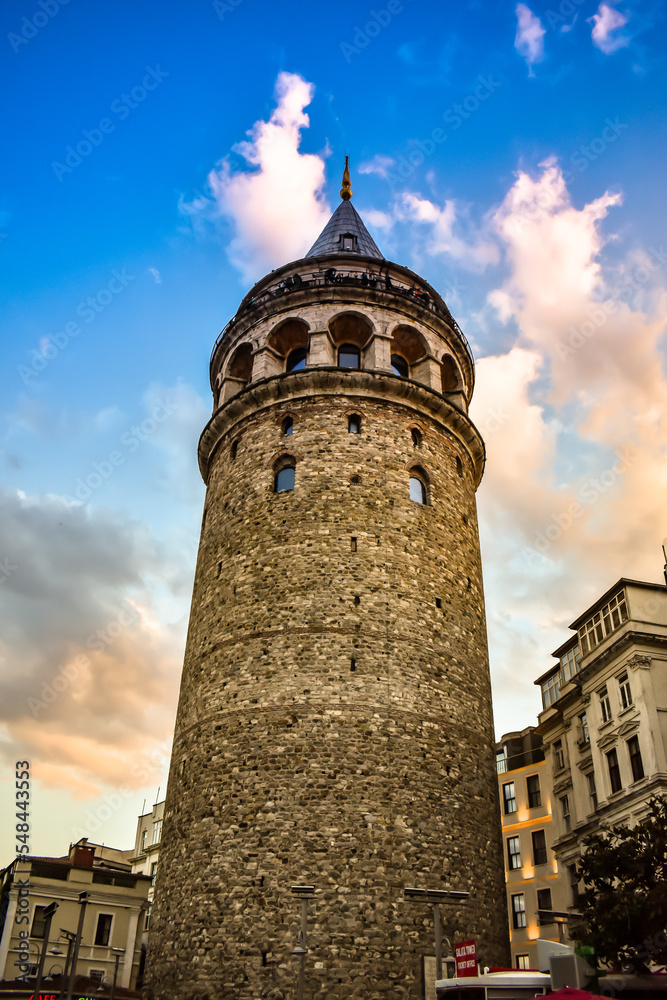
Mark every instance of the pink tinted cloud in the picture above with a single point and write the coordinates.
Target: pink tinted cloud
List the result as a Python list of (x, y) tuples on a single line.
[(529, 39), (606, 23), (275, 205)]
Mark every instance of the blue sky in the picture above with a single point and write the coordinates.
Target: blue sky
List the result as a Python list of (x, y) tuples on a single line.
[(159, 159)]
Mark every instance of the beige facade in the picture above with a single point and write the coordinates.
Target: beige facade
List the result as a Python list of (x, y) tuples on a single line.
[(531, 870), (113, 916), (604, 722), (144, 858)]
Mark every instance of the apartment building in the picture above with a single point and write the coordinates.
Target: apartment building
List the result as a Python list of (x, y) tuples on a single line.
[(534, 888), (604, 718)]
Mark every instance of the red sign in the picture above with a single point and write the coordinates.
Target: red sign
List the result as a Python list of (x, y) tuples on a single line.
[(466, 958)]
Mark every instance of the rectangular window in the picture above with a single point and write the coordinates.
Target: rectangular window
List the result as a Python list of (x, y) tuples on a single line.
[(153, 869), (584, 734), (534, 793), (501, 761), (614, 771), (603, 623), (544, 901), (539, 847), (565, 811), (148, 919), (97, 974), (509, 798), (144, 838), (550, 690), (592, 790), (518, 911), (157, 831), (559, 755), (624, 691), (513, 853), (103, 929), (605, 704), (569, 663), (523, 961), (635, 759), (38, 923)]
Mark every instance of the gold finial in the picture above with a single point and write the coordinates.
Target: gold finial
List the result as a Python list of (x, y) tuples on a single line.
[(346, 190)]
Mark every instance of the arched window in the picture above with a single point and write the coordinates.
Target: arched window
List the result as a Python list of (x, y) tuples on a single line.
[(459, 466), (416, 437), (418, 486), (288, 425), (399, 366), (234, 449), (284, 480), (349, 356), (240, 366), (296, 360), (354, 424), (450, 375)]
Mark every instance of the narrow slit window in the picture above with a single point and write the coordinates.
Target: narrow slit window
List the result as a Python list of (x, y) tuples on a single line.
[(354, 424), (288, 425), (416, 437), (285, 479), (417, 490)]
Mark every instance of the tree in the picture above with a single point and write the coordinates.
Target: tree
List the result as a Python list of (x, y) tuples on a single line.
[(624, 902)]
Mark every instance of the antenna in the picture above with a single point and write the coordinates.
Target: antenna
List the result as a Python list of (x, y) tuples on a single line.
[(157, 795)]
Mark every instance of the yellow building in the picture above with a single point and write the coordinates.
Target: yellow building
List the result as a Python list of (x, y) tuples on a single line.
[(114, 913), (531, 871)]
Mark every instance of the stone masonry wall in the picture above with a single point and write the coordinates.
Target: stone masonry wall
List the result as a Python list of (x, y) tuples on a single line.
[(334, 725)]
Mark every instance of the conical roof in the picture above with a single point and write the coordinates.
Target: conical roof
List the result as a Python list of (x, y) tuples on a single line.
[(345, 221)]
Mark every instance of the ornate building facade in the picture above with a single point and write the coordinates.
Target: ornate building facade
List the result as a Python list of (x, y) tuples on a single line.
[(334, 726)]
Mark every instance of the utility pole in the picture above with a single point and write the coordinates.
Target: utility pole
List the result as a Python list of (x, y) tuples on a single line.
[(71, 938), (83, 900), (435, 897), (47, 917), (117, 953), (304, 893)]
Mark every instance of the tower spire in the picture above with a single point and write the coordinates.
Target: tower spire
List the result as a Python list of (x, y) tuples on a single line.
[(346, 190)]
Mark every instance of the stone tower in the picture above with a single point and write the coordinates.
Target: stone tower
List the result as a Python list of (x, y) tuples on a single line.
[(334, 724)]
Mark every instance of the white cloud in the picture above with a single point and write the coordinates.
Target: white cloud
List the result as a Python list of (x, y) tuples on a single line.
[(475, 252), (529, 40), (276, 206), (379, 165), (606, 22)]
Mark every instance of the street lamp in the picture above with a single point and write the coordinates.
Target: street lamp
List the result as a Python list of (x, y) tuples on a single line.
[(435, 897), (83, 900), (117, 953), (47, 917), (304, 893)]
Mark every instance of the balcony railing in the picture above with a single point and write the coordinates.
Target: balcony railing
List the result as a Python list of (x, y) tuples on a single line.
[(365, 278)]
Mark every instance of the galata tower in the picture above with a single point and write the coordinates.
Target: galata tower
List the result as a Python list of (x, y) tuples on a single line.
[(334, 727)]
